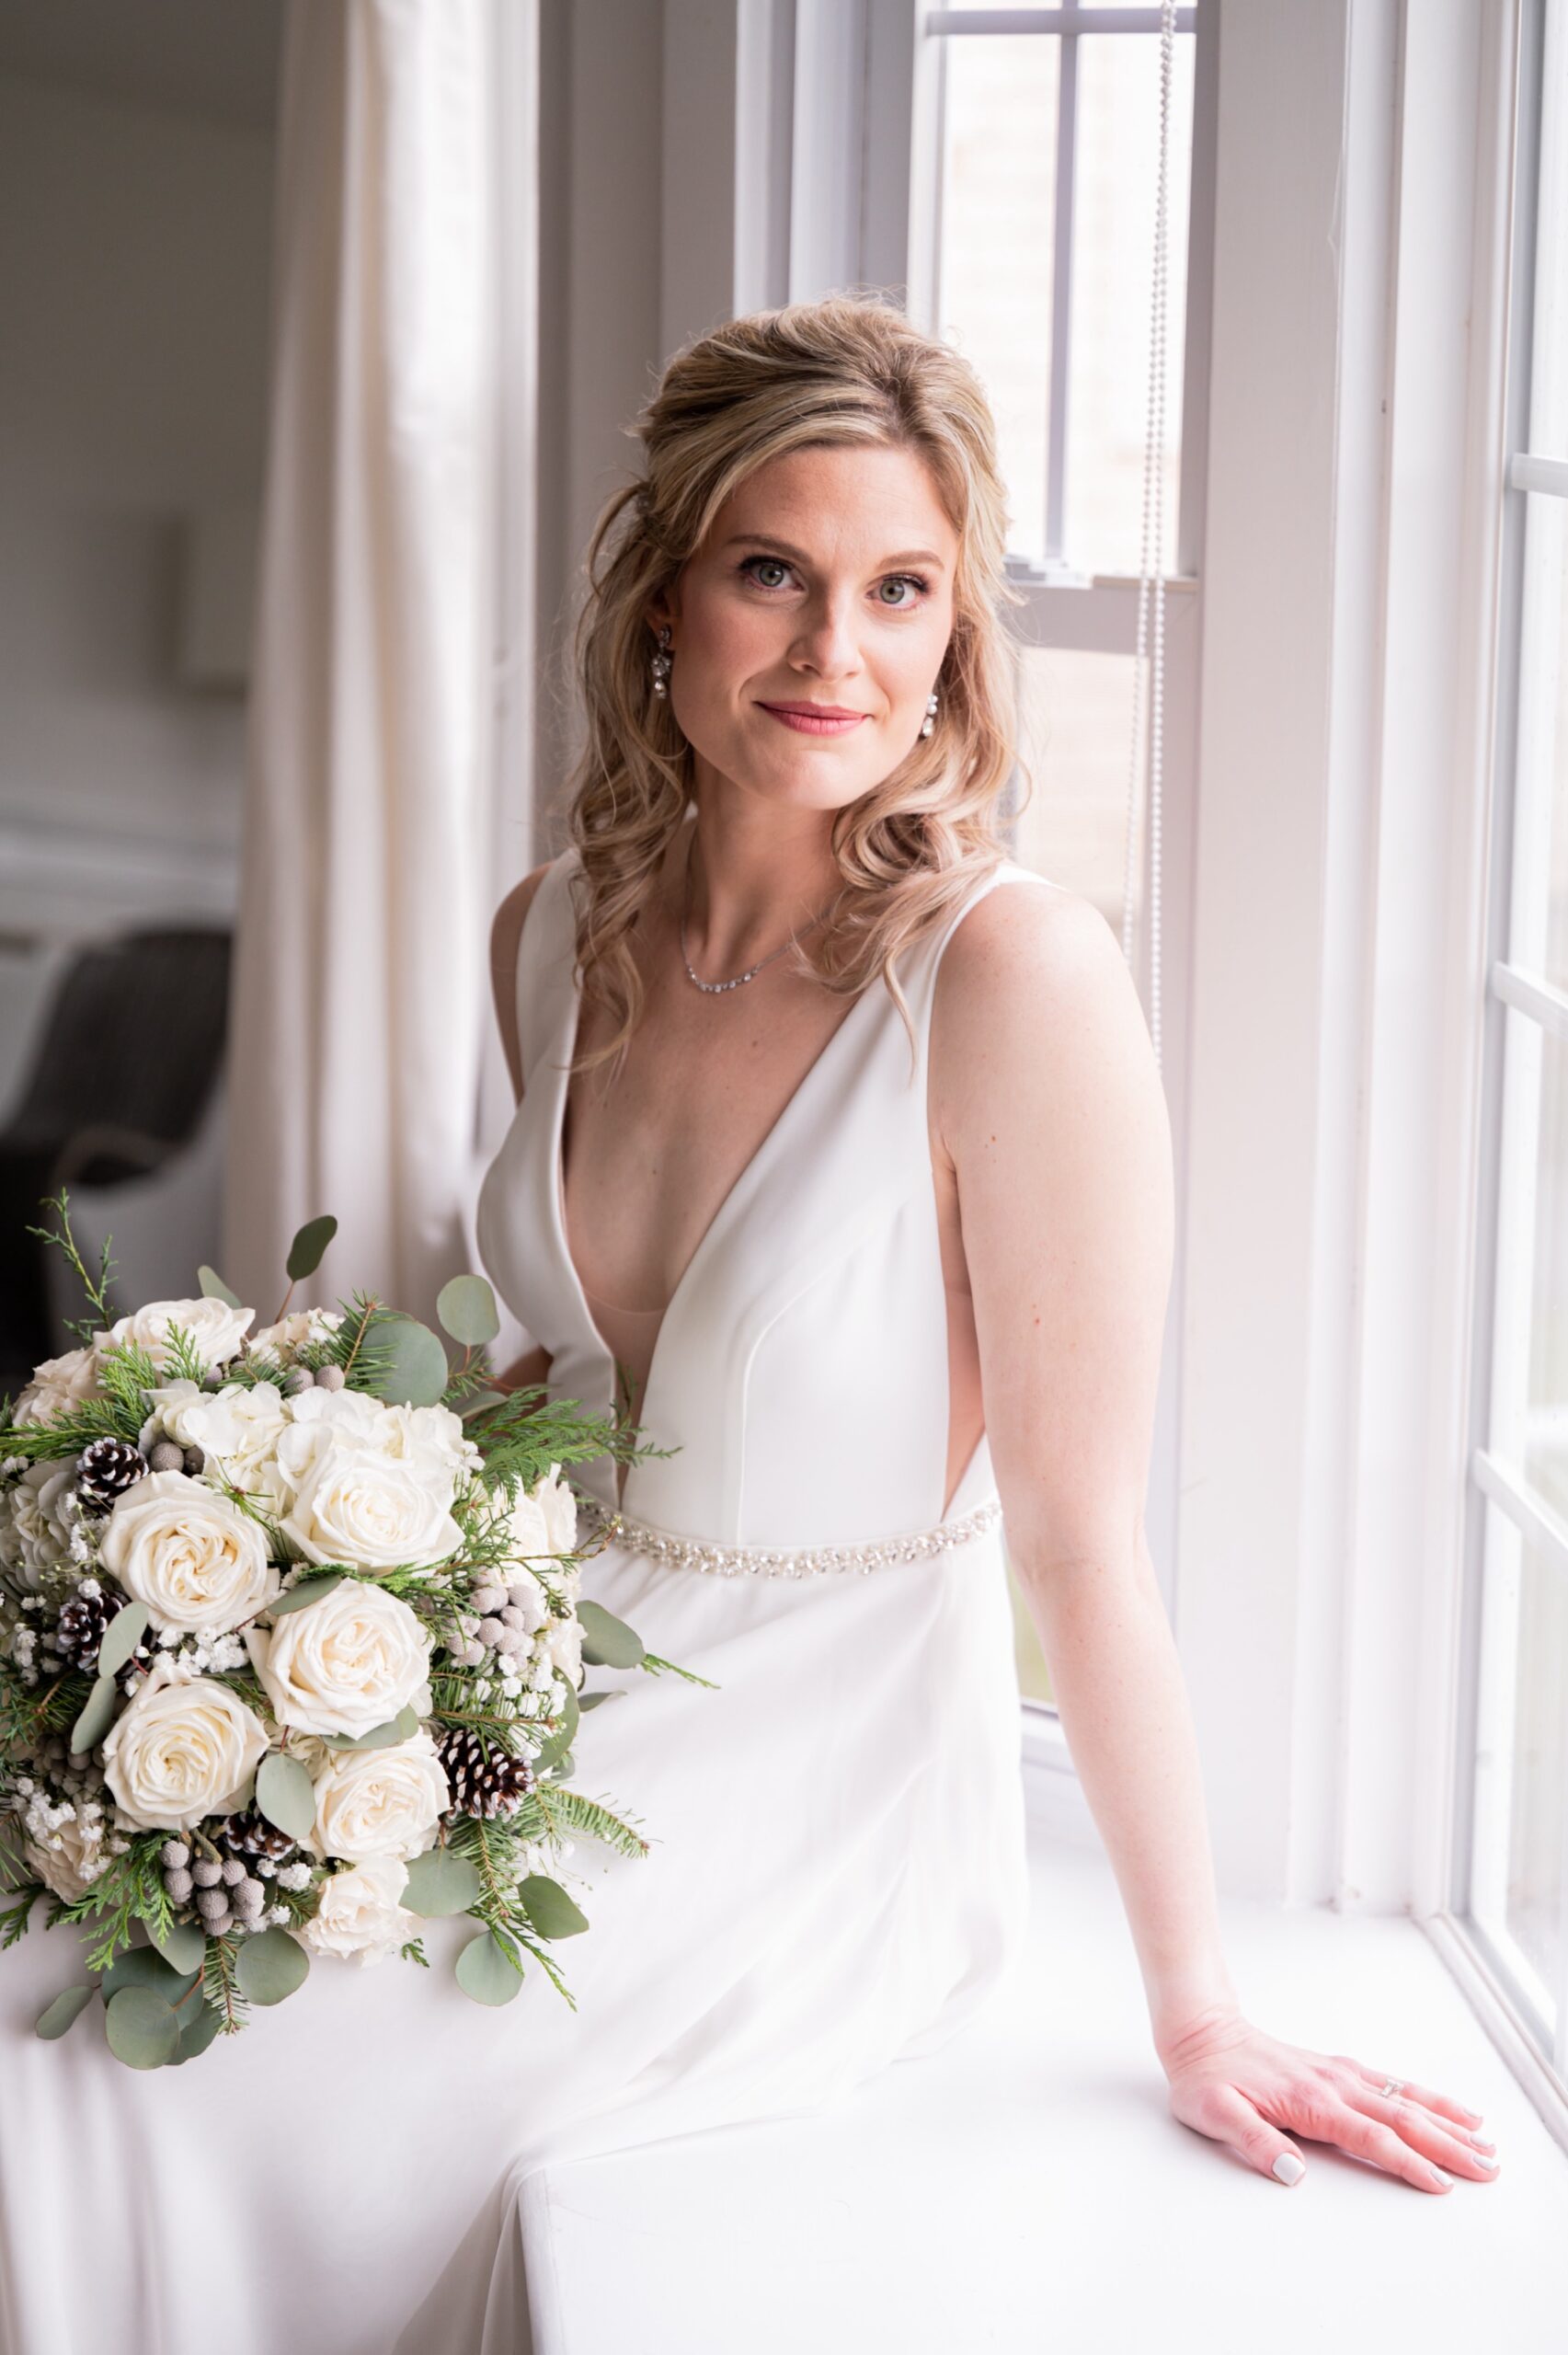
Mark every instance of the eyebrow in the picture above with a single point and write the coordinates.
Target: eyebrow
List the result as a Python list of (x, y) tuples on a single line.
[(799, 556)]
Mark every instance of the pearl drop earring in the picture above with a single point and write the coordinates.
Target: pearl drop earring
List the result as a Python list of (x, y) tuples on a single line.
[(661, 662), (929, 722)]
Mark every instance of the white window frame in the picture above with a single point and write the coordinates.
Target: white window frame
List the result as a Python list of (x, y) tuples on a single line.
[(1499, 1979)]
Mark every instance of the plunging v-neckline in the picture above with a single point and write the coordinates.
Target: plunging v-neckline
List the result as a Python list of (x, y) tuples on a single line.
[(706, 1241)]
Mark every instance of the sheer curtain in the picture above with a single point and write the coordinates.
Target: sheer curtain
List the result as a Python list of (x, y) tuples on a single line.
[(360, 1049)]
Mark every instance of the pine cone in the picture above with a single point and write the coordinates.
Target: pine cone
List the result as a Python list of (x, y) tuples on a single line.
[(106, 1468), (485, 1779), (246, 1835), (79, 1633)]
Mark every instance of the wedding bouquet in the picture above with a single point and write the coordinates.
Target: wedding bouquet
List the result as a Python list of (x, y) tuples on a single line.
[(291, 1651)]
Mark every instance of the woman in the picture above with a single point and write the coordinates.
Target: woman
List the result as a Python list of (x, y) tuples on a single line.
[(798, 732), (876, 1198)]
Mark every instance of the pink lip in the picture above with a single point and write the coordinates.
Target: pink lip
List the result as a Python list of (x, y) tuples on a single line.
[(815, 718)]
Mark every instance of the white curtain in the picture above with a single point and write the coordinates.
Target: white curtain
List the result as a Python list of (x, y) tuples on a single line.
[(361, 1044)]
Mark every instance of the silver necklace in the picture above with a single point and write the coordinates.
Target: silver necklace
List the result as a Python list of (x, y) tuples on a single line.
[(715, 988)]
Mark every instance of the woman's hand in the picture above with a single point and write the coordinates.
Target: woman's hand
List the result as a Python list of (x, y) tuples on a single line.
[(1238, 2085)]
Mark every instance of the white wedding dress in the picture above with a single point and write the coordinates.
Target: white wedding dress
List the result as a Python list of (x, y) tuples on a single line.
[(837, 1873)]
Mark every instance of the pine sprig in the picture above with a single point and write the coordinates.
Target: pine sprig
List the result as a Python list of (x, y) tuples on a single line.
[(219, 1985), (129, 1889), (98, 1293), (564, 1811)]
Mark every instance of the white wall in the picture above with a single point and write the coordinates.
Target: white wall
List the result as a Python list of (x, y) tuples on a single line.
[(134, 245)]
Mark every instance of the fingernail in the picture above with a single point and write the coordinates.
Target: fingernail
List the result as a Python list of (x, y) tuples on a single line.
[(1482, 2159), (1473, 2116), (1288, 2168), (1446, 2180), (1481, 2145)]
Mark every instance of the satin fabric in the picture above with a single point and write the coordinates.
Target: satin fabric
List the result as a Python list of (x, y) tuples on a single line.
[(836, 1876)]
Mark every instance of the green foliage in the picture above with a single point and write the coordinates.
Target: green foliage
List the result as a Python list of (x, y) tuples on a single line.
[(130, 1890)]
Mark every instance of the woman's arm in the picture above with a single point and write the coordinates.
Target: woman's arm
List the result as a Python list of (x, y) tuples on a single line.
[(1048, 1099)]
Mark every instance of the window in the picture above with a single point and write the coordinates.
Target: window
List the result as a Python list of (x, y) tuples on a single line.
[(1032, 233), (1512, 1843)]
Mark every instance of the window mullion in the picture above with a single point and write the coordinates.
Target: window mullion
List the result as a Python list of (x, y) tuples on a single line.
[(1062, 301)]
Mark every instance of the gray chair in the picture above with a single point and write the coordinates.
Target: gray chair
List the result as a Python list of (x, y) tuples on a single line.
[(126, 1058)]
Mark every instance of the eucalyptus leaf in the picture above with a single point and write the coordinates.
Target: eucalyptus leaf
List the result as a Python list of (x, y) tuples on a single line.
[(416, 1373), (487, 1972), (309, 1248), (592, 1700), (269, 1965), (120, 1638), (561, 1739), (467, 1307), (198, 2034), (402, 1727), (142, 2028), (608, 1642), (214, 1288), (551, 1911), (68, 2005), (309, 1591), (285, 1795), (483, 1399), (97, 1716), (183, 1948), (564, 1766), (146, 1966), (439, 1882)]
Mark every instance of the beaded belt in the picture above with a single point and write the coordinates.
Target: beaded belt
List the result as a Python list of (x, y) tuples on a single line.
[(769, 1561)]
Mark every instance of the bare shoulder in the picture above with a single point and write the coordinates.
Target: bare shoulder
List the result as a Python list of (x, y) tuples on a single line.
[(505, 935), (1032, 989)]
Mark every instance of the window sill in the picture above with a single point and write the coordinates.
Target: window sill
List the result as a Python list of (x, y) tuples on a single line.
[(997, 2189)]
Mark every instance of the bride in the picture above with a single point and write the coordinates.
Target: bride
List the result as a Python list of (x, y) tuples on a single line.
[(844, 1171)]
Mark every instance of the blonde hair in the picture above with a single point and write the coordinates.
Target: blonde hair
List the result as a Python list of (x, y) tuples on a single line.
[(847, 369)]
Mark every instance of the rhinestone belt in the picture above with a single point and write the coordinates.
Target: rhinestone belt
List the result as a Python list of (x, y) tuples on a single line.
[(768, 1561)]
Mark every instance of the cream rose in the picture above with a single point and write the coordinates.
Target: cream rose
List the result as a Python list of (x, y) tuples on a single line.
[(196, 1560), (300, 1329), (184, 1747), (213, 1329), (65, 1845), (360, 1917), (431, 1436), (373, 1511), (35, 1528), (380, 1802), (57, 1386), (544, 1523), (238, 1426), (561, 1645), (344, 1664)]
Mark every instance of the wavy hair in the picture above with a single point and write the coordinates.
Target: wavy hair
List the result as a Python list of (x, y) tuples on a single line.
[(848, 369)]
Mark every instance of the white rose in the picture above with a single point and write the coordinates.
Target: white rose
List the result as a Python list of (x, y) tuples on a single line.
[(57, 1386), (298, 1330), (185, 1747), (196, 1560), (557, 1501), (544, 1522), (380, 1802), (372, 1510), (69, 1855), (35, 1528), (360, 1917), (213, 1329), (344, 1664)]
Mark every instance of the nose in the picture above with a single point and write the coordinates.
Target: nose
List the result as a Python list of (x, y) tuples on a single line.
[(826, 642)]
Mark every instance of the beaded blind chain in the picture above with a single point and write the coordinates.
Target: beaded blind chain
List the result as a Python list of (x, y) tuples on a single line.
[(1151, 562), (772, 1561)]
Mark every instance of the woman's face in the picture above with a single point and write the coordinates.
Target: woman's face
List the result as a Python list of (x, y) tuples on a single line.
[(807, 630)]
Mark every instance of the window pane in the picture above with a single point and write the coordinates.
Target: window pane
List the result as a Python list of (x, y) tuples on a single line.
[(1113, 287), (1522, 1762), (1530, 1392), (998, 227), (1075, 727), (997, 271), (1538, 937)]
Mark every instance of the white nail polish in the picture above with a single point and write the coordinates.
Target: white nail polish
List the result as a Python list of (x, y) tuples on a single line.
[(1480, 2146), (1485, 2159), (1288, 2168), (1446, 2180)]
